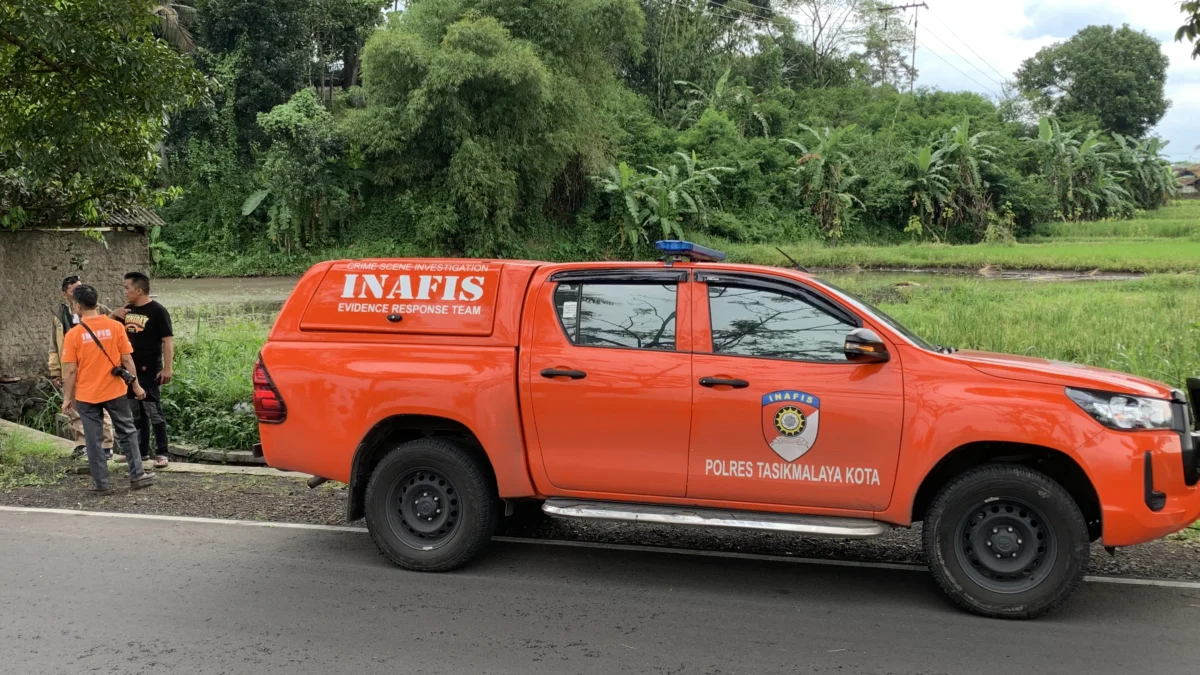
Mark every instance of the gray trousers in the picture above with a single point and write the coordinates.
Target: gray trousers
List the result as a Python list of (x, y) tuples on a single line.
[(92, 415)]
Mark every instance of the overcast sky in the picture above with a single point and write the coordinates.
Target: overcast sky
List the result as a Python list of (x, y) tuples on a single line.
[(1003, 33)]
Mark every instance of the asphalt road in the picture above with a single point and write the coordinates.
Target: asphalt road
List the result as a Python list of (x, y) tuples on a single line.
[(107, 595)]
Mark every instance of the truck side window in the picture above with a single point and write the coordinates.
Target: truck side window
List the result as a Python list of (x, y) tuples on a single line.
[(634, 316), (755, 322)]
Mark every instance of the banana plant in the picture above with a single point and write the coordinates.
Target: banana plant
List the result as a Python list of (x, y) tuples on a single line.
[(825, 176), (660, 198), (626, 185), (672, 193), (928, 188)]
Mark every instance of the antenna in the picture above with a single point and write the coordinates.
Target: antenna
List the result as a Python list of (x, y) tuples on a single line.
[(795, 265)]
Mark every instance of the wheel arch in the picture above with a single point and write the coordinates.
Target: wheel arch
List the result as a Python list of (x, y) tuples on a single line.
[(399, 429), (1056, 464)]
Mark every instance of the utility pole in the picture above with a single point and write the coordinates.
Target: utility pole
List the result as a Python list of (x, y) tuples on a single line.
[(916, 7)]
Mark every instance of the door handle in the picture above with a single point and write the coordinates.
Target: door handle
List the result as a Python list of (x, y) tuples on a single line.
[(719, 381), (573, 374)]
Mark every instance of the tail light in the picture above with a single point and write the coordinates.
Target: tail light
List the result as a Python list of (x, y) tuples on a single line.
[(268, 404)]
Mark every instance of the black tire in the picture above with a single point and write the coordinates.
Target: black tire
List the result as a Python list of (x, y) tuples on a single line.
[(413, 481), (1023, 518)]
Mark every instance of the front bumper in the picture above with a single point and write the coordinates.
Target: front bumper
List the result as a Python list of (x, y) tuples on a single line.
[(1165, 468)]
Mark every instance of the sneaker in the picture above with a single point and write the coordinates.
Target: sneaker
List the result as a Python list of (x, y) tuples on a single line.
[(108, 456), (79, 451), (145, 480), (96, 489)]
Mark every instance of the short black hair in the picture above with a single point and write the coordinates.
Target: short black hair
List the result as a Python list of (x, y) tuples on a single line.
[(68, 281), (86, 296), (140, 280)]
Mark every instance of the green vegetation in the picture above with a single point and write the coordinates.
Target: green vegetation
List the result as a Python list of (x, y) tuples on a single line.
[(1113, 74), (1148, 327), (548, 128), (87, 90), (1178, 220), (1112, 255), (209, 400), (25, 461)]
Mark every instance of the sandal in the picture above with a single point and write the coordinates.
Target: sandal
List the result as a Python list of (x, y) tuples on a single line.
[(161, 462), (145, 480)]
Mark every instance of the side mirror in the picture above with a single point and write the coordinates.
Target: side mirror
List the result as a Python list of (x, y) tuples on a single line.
[(864, 346)]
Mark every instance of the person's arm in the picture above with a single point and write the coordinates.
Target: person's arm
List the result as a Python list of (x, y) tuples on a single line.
[(127, 364), (69, 371), (164, 376), (126, 350)]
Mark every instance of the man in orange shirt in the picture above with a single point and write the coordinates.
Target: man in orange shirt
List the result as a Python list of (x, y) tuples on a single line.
[(94, 383)]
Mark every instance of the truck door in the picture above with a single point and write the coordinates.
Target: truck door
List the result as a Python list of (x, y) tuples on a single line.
[(610, 381), (780, 415)]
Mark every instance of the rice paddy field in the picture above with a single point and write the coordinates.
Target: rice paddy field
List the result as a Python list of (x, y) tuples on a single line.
[(1165, 240)]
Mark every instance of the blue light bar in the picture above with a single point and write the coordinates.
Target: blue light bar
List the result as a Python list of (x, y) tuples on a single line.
[(686, 249)]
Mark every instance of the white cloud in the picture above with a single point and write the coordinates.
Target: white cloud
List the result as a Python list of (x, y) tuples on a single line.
[(1002, 33)]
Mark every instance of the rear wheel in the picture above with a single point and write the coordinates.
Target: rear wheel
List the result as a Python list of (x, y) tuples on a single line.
[(430, 506), (1006, 541)]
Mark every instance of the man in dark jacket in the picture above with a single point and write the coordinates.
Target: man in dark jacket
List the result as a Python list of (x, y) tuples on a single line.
[(64, 320)]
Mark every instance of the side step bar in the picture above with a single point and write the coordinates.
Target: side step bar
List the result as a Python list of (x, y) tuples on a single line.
[(814, 526)]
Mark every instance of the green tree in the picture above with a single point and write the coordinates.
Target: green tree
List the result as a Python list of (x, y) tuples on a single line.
[(305, 174), (1115, 75), (492, 105), (86, 87), (1190, 30), (884, 39), (268, 42)]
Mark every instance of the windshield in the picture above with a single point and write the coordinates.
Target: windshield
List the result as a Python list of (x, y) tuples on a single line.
[(875, 312)]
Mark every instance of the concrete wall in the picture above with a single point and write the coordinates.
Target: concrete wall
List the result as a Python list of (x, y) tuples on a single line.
[(32, 267)]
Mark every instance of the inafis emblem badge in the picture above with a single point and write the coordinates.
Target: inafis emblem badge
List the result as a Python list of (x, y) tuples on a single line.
[(791, 420)]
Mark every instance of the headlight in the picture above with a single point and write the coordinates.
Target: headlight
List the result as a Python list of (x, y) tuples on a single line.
[(1123, 412)]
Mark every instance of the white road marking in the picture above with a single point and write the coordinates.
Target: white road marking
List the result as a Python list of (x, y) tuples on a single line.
[(183, 519), (1161, 583)]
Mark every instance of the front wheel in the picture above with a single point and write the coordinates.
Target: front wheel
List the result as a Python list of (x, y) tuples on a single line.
[(1006, 541), (430, 506)]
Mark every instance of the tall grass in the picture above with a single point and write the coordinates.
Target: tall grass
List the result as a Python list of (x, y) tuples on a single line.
[(1148, 327), (1181, 219), (209, 400)]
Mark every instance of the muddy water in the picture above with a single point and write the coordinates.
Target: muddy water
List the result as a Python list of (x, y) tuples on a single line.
[(181, 293)]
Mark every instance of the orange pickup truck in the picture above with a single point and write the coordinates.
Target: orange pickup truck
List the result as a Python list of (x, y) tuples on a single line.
[(695, 392)]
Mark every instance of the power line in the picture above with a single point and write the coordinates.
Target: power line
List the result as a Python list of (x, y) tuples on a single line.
[(916, 8), (967, 45), (985, 88), (965, 59)]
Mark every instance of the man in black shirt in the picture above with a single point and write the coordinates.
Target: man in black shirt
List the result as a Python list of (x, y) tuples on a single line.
[(148, 325)]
